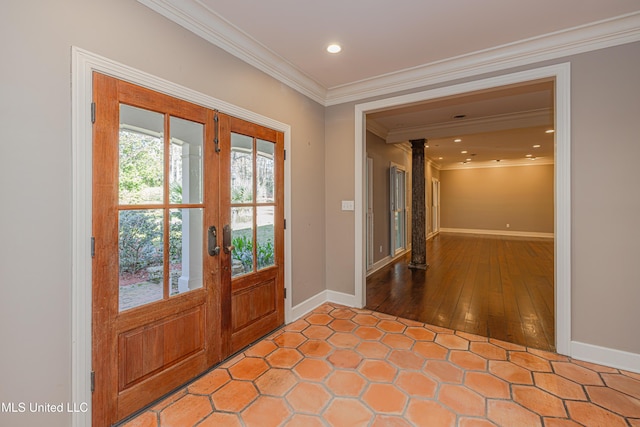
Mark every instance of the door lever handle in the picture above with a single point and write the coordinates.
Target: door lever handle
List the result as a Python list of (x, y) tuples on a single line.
[(212, 245), (226, 239)]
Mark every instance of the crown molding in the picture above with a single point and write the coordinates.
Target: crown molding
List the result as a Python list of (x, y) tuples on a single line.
[(204, 22), (540, 117), (597, 35), (377, 129)]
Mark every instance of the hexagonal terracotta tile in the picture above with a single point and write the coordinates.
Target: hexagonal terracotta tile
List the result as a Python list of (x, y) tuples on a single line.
[(559, 386), (187, 411), (385, 398), (614, 401), (343, 412), (420, 333), (530, 361), (318, 319), (289, 339), (308, 397), (487, 385), (399, 341), (317, 332), (342, 313), (303, 420), (373, 350), (428, 413), (377, 370), (475, 422), (312, 369), (510, 372), (416, 384), (462, 400), (234, 396), (248, 368), (507, 413), (315, 348), (210, 382), (539, 401), (218, 419), (468, 360), (260, 349), (406, 359), (343, 340), (276, 382), (488, 350), (342, 325), (452, 342), (430, 350), (623, 383), (344, 358), (507, 345), (577, 373), (368, 333), (443, 371), (365, 319), (389, 421), (391, 326), (345, 383), (284, 358), (266, 411), (591, 415)]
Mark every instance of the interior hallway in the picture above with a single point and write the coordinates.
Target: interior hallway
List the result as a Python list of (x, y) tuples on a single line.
[(347, 367), (495, 286)]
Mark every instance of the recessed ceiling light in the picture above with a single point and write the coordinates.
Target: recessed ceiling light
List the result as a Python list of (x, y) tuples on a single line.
[(536, 146), (468, 160), (440, 158), (549, 131), (426, 146), (464, 151), (457, 140), (334, 48), (528, 155)]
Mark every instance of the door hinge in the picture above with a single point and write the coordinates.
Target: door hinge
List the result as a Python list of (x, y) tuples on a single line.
[(93, 112), (285, 293), (285, 224), (93, 247), (93, 381), (285, 154)]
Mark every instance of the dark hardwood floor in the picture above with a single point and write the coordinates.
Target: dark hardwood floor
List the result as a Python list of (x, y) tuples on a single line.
[(494, 286)]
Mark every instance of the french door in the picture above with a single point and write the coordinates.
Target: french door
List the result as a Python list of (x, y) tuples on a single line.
[(184, 271)]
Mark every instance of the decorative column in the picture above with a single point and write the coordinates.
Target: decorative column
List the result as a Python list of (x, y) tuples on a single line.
[(418, 207)]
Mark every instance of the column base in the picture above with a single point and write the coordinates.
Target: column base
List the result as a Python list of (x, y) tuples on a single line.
[(415, 266)]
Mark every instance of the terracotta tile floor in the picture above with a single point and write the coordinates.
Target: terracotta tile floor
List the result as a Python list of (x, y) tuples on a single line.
[(347, 367)]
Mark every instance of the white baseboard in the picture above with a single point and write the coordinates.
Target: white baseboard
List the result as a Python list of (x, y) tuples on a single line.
[(498, 232), (386, 261), (320, 298), (606, 356)]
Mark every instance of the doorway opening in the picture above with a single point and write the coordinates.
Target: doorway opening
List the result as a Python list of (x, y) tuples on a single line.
[(561, 217)]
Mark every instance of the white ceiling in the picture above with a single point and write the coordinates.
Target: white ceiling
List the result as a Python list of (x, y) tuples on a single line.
[(394, 46)]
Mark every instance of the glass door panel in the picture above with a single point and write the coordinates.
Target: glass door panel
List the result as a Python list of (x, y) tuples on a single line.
[(185, 250), (141, 156), (265, 236)]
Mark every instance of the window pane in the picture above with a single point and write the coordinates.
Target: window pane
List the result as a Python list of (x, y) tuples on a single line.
[(265, 171), (242, 241), (185, 250), (185, 163), (141, 156), (241, 168), (141, 264), (266, 237)]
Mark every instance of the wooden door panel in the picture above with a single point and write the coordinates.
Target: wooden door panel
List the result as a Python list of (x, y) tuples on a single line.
[(153, 347)]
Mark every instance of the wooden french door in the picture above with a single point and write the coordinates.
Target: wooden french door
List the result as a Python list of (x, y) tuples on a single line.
[(253, 156), (165, 305)]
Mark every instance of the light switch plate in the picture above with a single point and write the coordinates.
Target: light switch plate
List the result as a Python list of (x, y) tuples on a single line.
[(348, 205)]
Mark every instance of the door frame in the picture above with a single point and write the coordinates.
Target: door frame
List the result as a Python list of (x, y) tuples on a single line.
[(83, 64), (562, 101)]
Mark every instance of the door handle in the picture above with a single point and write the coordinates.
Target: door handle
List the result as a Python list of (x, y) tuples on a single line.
[(212, 245), (226, 239)]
